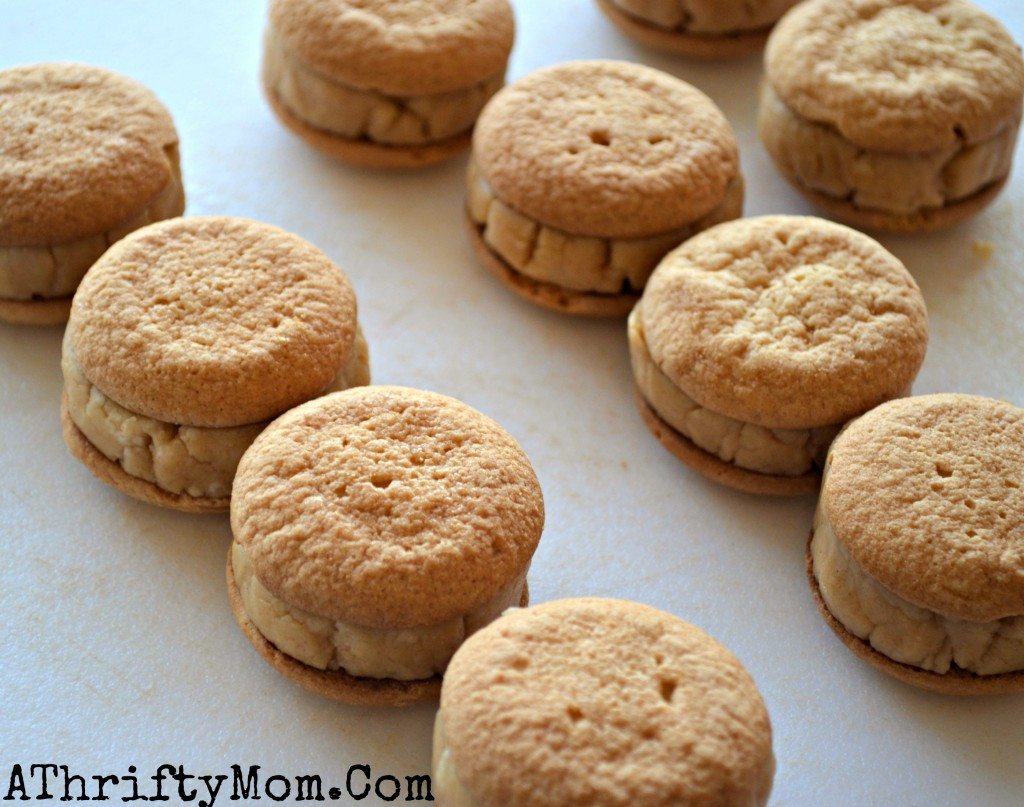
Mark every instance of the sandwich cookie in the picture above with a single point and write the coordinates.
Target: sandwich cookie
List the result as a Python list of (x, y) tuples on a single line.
[(896, 115), (385, 83), (916, 558), (599, 703), (87, 156), (706, 29), (374, 530), (186, 338), (756, 340), (585, 174)]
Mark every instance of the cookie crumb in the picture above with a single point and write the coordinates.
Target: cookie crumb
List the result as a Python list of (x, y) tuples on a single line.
[(983, 249)]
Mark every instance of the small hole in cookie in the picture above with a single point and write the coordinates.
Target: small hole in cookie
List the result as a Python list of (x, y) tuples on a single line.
[(600, 137), (520, 664), (1010, 483), (971, 533), (659, 659), (572, 150), (381, 480), (575, 713), (943, 470), (649, 733), (655, 139), (668, 688), (969, 504)]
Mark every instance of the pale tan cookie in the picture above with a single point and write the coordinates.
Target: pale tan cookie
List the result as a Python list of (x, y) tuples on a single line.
[(756, 340), (185, 338), (705, 29), (594, 702), (374, 530), (584, 174), (898, 115), (916, 558), (87, 156), (385, 83)]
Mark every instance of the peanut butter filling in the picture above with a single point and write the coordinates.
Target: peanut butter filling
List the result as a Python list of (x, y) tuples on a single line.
[(782, 452), (448, 788), (901, 630), (55, 270), (707, 17), (357, 114), (820, 159), (404, 654), (576, 262), (191, 460)]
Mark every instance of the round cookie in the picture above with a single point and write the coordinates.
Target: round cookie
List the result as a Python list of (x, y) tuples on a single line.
[(756, 340), (604, 703), (87, 156), (186, 338), (895, 115), (705, 29), (374, 529), (385, 83), (584, 174), (916, 553)]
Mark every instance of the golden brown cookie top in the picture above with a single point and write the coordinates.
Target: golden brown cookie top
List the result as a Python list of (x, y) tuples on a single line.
[(212, 321), (897, 75), (386, 507), (606, 149), (398, 47), (785, 321), (926, 495), (604, 703), (83, 149)]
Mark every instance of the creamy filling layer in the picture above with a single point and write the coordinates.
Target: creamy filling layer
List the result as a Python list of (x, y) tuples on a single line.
[(576, 262), (447, 787), (191, 460), (901, 630), (55, 270), (708, 17), (404, 654), (819, 158), (781, 452), (358, 114)]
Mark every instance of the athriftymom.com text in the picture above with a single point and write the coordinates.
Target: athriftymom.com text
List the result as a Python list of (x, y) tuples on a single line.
[(172, 783)]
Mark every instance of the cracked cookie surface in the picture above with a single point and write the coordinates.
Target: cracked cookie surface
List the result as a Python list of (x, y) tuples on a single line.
[(785, 321)]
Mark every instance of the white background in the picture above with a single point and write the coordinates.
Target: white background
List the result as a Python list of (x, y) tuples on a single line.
[(117, 646)]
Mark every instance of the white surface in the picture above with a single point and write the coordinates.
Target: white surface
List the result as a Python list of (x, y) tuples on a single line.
[(118, 647)]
